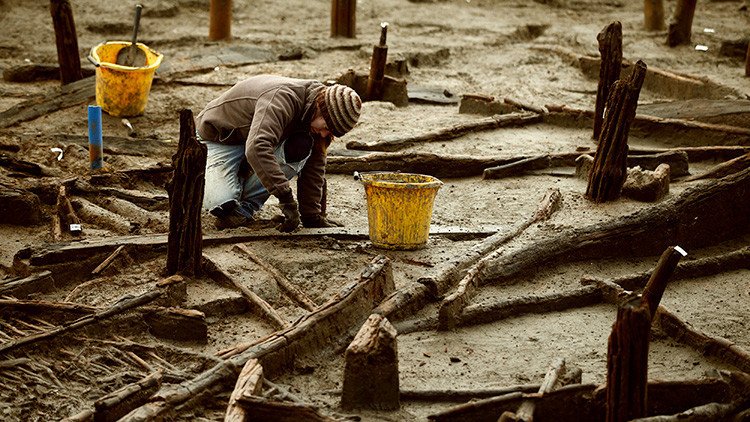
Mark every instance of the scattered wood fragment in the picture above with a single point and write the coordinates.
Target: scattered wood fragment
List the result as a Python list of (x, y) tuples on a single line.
[(97, 216), (517, 168), (610, 162), (177, 324), (289, 288), (264, 309), (138, 217), (525, 412), (249, 383), (119, 307), (313, 333), (610, 49), (280, 411), (108, 260), (451, 132), (39, 307), (119, 403), (23, 287), (184, 246), (682, 219), (708, 345), (726, 168), (706, 412), (525, 106), (450, 308), (66, 96), (371, 368)]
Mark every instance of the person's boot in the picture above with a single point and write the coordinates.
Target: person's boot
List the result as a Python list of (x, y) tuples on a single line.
[(231, 221)]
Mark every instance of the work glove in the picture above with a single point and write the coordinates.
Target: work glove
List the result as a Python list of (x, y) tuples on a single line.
[(318, 221), (289, 211)]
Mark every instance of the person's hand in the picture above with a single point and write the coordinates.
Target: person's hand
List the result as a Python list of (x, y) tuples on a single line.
[(319, 221), (289, 211)]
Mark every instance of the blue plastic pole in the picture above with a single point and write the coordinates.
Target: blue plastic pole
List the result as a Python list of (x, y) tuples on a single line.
[(96, 151)]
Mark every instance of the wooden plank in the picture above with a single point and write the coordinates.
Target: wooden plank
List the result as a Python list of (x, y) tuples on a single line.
[(69, 95)]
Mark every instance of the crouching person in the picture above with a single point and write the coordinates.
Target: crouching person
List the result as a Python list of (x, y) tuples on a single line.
[(263, 132)]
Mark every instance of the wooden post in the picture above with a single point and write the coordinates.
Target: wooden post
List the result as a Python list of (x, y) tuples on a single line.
[(680, 26), (610, 170), (371, 369), (184, 243), (220, 20), (627, 355), (610, 48), (747, 61), (377, 66), (343, 18), (653, 15), (66, 40)]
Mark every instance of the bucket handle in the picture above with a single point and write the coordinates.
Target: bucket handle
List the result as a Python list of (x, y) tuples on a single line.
[(358, 176), (91, 59)]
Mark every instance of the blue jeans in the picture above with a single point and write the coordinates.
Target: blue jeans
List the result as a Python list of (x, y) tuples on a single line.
[(229, 190)]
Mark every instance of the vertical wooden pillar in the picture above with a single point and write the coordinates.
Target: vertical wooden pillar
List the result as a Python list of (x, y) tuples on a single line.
[(371, 369), (377, 66), (747, 61), (653, 15), (680, 26), (627, 355), (343, 18), (609, 170), (185, 241), (610, 48), (220, 24), (66, 40)]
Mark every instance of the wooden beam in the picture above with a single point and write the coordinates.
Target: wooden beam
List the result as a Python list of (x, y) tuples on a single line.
[(249, 383), (66, 96), (120, 402)]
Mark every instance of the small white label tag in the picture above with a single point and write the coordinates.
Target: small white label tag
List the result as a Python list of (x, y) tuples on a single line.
[(75, 227)]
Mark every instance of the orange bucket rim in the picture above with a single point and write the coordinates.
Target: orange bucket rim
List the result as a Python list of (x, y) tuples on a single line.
[(94, 56)]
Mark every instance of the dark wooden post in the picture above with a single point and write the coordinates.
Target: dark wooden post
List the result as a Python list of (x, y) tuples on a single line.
[(184, 246), (371, 369), (627, 356), (66, 40), (609, 170), (343, 18), (377, 66), (220, 24), (610, 48), (653, 15), (747, 61), (680, 26)]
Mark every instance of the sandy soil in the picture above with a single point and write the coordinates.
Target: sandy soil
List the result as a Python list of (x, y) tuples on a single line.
[(460, 46)]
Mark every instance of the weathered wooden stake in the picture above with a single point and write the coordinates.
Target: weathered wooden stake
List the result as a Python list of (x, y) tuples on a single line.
[(747, 61), (66, 40), (610, 163), (680, 26), (371, 370), (343, 18), (627, 356), (653, 15), (610, 48), (220, 20), (377, 66), (185, 247)]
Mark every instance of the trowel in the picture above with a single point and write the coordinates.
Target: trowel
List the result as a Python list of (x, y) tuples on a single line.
[(132, 55)]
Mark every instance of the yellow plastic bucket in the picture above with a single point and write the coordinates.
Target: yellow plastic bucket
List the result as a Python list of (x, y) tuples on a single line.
[(122, 90), (399, 208)]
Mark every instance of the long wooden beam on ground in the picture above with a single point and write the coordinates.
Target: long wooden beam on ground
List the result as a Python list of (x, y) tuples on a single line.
[(66, 252), (66, 96), (701, 215), (451, 132)]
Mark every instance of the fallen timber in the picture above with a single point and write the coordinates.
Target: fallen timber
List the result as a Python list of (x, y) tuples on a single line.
[(313, 333), (68, 95), (585, 402), (701, 215), (72, 251), (489, 123)]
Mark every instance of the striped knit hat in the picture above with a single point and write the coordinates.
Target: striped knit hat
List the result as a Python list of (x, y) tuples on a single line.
[(340, 107)]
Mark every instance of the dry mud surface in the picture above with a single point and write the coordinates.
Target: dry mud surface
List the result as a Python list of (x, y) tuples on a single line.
[(525, 50)]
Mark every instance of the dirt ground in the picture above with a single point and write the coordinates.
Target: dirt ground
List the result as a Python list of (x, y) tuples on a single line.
[(503, 49)]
